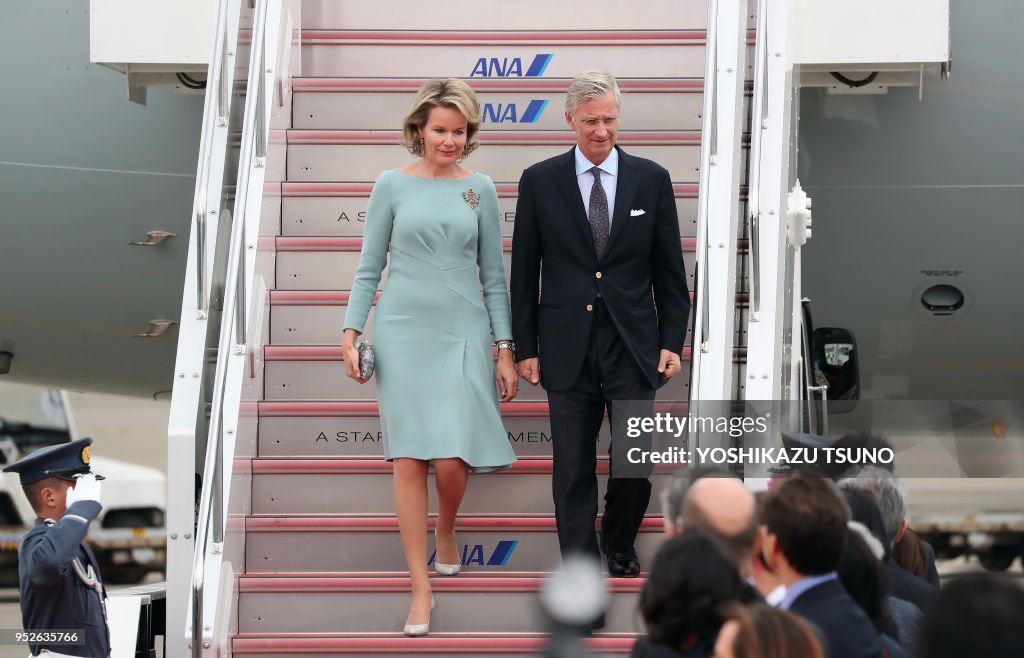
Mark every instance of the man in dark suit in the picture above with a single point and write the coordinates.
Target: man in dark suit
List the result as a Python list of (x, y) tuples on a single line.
[(804, 531), (599, 309)]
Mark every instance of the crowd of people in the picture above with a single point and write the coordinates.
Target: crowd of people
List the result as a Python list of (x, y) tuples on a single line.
[(812, 567)]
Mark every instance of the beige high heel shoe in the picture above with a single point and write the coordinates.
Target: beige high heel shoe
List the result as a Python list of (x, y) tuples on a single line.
[(446, 569), (419, 630)]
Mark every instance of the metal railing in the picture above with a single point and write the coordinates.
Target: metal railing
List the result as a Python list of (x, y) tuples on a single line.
[(215, 113), (233, 339), (709, 157), (756, 137)]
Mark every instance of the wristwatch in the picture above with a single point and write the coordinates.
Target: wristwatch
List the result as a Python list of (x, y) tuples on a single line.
[(505, 345)]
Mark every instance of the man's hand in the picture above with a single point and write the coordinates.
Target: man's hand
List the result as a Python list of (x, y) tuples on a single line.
[(529, 369), (669, 364), (86, 487)]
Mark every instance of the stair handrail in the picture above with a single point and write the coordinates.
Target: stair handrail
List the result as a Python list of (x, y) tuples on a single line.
[(215, 113), (758, 125), (232, 338), (709, 158)]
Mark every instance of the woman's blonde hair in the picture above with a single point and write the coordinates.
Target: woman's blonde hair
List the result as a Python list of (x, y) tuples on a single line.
[(442, 92)]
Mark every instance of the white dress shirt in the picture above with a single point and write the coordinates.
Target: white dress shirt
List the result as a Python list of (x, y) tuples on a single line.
[(609, 178)]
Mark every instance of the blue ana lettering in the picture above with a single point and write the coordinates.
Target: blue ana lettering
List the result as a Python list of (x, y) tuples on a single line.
[(500, 113), (474, 556), (495, 67)]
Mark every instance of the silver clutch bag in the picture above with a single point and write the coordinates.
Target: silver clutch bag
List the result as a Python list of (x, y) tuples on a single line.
[(366, 359)]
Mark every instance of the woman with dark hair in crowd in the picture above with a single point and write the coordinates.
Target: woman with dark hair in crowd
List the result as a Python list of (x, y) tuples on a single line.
[(866, 581), (683, 603), (762, 631), (904, 618)]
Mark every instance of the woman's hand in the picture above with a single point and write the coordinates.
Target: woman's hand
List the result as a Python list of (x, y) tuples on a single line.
[(505, 374), (351, 355)]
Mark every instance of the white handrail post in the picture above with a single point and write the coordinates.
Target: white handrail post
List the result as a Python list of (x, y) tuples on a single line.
[(722, 159)]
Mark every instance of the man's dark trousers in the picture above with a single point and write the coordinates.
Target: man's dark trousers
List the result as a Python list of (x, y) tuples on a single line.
[(609, 373)]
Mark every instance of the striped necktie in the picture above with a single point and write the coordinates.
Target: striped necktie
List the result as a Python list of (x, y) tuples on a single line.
[(598, 214)]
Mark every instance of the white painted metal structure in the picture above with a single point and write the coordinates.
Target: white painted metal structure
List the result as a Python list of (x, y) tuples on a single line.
[(899, 42), (151, 43), (795, 41), (722, 166), (772, 162), (164, 36), (187, 424)]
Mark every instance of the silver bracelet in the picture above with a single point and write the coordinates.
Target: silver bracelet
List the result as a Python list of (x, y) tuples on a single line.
[(505, 345)]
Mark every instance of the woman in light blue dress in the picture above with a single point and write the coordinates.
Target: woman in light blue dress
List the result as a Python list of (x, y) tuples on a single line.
[(433, 332)]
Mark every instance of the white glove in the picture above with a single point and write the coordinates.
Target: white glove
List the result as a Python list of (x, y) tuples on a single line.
[(86, 487)]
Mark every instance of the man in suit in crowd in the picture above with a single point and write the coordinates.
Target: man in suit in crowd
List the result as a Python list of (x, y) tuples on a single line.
[(599, 309), (717, 503), (803, 534), (59, 579), (891, 495), (907, 547)]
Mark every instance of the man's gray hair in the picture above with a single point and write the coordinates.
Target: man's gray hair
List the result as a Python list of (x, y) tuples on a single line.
[(590, 85), (887, 489), (672, 498)]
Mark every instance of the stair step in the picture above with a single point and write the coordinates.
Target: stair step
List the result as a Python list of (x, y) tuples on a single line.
[(506, 104), (313, 317), (497, 54), (352, 429), (310, 487), (368, 645), (329, 263), (360, 155), (522, 15), (339, 209), (493, 604), (317, 372), (371, 543)]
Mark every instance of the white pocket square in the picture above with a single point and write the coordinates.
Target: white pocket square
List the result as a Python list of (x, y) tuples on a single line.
[(637, 213)]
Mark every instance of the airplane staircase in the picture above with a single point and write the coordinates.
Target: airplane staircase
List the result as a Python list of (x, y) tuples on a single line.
[(310, 561)]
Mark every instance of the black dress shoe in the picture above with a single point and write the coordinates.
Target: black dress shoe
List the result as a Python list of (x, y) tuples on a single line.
[(623, 565)]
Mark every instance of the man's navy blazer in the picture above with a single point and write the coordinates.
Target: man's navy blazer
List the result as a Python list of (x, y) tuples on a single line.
[(845, 629), (641, 278)]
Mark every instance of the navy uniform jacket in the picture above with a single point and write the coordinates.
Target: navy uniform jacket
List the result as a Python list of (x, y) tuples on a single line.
[(52, 595)]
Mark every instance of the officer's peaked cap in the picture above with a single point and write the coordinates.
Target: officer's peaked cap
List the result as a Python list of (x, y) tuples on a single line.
[(64, 460)]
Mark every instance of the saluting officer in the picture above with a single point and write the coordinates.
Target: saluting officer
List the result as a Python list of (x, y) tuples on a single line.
[(57, 573)]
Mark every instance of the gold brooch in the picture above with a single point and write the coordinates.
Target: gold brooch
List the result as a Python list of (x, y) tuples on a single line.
[(472, 198)]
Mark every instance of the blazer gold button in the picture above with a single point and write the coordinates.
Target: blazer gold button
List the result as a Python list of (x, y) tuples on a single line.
[(590, 307), (598, 275)]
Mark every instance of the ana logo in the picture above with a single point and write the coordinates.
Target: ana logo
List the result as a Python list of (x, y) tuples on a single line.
[(510, 67), (509, 112), (474, 554)]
